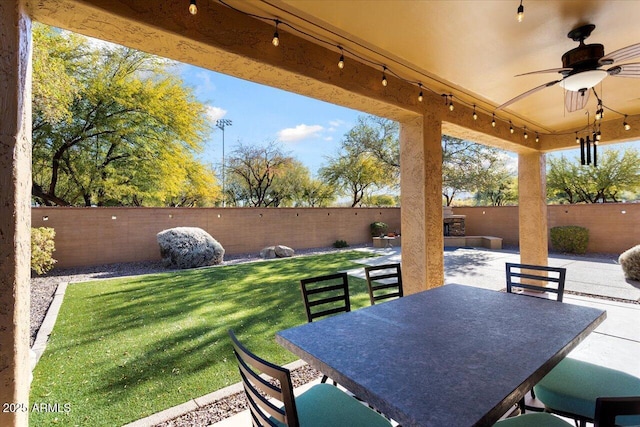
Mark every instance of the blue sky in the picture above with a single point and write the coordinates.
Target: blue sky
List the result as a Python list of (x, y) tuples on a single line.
[(307, 128)]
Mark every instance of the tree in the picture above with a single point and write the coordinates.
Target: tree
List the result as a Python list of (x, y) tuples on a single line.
[(254, 172), (380, 200), (467, 166), (501, 190), (614, 175), (112, 126), (353, 175), (378, 137)]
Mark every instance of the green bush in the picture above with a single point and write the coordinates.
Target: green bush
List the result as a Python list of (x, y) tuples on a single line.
[(42, 247), (570, 238), (378, 229), (340, 244)]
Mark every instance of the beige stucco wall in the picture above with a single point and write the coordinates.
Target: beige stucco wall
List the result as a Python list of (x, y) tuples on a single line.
[(15, 190), (89, 236), (94, 236), (613, 227)]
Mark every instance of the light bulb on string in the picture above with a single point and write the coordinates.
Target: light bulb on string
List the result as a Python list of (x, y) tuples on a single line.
[(526, 136), (276, 38), (193, 8), (598, 136), (384, 77), (341, 61), (520, 14), (493, 120), (420, 97), (599, 111), (511, 127), (577, 139), (451, 103), (475, 115), (626, 125), (537, 137)]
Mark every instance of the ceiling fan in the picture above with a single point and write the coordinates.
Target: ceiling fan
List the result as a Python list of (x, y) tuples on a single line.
[(582, 69)]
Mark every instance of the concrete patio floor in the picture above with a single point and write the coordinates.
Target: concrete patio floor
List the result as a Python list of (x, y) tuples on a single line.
[(615, 343)]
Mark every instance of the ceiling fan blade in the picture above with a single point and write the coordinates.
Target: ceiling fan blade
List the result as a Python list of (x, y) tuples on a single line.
[(574, 101), (550, 70), (527, 93), (625, 70), (624, 54)]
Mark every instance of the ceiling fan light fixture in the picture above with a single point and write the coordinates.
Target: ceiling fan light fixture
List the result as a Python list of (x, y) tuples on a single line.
[(583, 80)]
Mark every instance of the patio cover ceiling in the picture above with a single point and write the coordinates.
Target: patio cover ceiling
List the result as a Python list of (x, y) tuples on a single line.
[(474, 49)]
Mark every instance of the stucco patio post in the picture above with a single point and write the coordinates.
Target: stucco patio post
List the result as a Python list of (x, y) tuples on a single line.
[(15, 213), (532, 211), (421, 212)]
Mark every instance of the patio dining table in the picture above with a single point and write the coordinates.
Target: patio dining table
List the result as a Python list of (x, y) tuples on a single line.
[(450, 356)]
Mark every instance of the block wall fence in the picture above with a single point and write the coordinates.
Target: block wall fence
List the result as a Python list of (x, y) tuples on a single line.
[(94, 236)]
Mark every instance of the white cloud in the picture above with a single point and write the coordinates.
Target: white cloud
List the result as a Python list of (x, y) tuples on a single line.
[(299, 133), (336, 123), (215, 113)]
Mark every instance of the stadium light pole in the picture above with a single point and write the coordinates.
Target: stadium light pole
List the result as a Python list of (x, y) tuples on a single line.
[(222, 123)]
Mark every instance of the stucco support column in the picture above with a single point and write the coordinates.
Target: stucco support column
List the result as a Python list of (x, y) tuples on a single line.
[(15, 214), (421, 211), (532, 211)]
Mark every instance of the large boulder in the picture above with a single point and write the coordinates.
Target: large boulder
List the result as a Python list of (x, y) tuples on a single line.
[(283, 251), (630, 262), (268, 253), (278, 251), (189, 247)]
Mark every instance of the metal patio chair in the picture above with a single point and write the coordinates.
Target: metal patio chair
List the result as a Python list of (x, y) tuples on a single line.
[(384, 282), (272, 403)]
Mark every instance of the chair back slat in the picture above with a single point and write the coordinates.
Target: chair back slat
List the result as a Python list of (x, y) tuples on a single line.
[(608, 408), (384, 282), (325, 295), (528, 273), (256, 373)]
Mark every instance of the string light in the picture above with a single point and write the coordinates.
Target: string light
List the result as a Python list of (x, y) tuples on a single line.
[(341, 61), (525, 133), (520, 14), (276, 37), (193, 8), (448, 98), (599, 111), (537, 137)]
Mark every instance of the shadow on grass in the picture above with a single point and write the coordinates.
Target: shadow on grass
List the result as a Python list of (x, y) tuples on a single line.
[(153, 341)]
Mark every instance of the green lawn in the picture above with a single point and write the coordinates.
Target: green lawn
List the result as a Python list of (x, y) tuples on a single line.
[(123, 349)]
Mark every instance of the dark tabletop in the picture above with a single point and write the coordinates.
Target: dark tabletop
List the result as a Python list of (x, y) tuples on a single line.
[(451, 356)]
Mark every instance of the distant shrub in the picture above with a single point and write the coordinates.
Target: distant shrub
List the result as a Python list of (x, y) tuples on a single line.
[(570, 238), (340, 244), (378, 228), (630, 263), (42, 247)]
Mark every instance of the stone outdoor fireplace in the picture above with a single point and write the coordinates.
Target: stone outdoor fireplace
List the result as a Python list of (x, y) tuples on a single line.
[(453, 224)]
